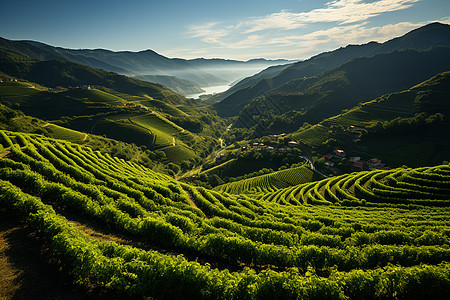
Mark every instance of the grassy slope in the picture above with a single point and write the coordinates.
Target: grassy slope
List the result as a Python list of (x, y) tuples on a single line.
[(160, 127), (144, 129)]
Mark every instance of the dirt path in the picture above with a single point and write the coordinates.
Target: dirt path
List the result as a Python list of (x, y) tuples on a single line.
[(4, 154), (191, 202), (27, 270)]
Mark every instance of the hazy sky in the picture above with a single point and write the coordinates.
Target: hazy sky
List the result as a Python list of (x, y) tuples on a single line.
[(244, 29)]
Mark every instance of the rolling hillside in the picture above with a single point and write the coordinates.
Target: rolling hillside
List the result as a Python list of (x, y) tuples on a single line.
[(327, 94), (125, 117), (117, 227), (54, 73), (426, 37), (412, 124), (428, 186)]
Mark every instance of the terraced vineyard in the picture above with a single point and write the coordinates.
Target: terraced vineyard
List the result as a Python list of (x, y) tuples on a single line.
[(428, 186), (269, 182), (381, 234)]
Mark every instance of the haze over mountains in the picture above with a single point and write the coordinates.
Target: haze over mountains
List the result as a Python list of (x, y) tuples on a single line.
[(232, 101), (198, 72)]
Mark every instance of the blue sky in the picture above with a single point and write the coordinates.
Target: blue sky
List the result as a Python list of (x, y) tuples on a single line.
[(293, 29)]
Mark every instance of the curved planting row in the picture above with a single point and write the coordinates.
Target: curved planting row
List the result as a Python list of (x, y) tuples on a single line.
[(189, 238), (269, 182), (429, 186)]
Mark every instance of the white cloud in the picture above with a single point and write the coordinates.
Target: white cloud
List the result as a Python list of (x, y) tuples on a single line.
[(209, 32), (274, 36), (341, 11), (445, 20), (315, 42)]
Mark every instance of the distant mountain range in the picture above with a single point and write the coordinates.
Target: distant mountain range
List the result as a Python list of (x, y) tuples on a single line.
[(358, 80), (204, 72), (234, 100), (54, 73)]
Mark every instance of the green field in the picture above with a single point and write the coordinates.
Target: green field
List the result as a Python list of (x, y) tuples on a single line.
[(7, 90), (94, 95), (164, 107), (269, 182), (162, 128), (118, 226), (125, 131), (313, 136), (67, 134), (178, 153)]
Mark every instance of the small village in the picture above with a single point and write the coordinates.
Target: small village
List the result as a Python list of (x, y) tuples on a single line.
[(261, 147), (357, 164)]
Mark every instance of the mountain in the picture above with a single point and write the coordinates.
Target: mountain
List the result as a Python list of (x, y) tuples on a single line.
[(53, 73), (408, 127), (435, 34), (181, 86), (42, 52), (205, 72), (359, 80)]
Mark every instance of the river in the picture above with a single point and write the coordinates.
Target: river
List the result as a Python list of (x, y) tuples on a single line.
[(210, 90)]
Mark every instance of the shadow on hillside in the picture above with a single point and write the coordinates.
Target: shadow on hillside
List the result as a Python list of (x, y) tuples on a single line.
[(27, 270)]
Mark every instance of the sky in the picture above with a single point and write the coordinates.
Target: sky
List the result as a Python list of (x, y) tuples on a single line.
[(234, 29)]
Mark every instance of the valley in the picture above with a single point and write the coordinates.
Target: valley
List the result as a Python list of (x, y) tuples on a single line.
[(131, 175)]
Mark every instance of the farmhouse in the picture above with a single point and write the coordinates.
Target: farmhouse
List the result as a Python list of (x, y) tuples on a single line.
[(340, 153), (292, 144), (373, 162), (329, 164)]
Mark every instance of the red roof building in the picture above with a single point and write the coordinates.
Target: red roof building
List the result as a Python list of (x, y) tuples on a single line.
[(373, 162), (358, 165)]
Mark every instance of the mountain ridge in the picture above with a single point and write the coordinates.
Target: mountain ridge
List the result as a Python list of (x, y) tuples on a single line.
[(145, 62), (358, 80), (420, 39)]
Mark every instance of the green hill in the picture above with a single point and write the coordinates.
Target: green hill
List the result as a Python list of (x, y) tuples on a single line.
[(118, 228), (54, 73), (412, 125), (269, 182), (117, 115), (327, 94)]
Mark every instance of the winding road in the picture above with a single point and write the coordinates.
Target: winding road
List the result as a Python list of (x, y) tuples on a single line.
[(312, 165)]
